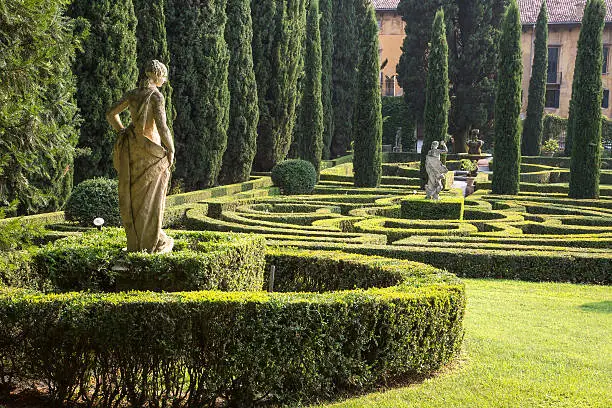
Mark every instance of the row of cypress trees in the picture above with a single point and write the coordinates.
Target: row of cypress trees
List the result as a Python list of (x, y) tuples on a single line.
[(583, 140), (242, 112)]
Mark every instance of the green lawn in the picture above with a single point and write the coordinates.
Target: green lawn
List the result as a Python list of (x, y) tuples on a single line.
[(526, 345)]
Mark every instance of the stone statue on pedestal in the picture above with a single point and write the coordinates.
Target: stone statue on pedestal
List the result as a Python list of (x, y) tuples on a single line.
[(475, 144), (143, 154), (398, 141), (435, 170)]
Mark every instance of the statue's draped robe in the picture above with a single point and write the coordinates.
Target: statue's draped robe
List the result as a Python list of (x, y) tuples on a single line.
[(143, 169), (435, 172)]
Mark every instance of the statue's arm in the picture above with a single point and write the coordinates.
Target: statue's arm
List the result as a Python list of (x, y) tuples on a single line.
[(159, 110), (112, 115), (443, 149)]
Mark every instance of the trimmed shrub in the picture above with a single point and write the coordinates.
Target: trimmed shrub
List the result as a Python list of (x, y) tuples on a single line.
[(152, 43), (367, 156), (507, 155), (437, 101), (247, 349), (532, 128), (278, 34), (310, 128), (555, 266), (294, 176), (244, 111), (326, 27), (199, 261), (105, 70), (345, 58), (200, 60), (419, 208), (98, 197), (584, 132)]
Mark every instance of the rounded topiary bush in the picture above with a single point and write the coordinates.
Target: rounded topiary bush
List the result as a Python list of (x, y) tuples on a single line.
[(97, 197), (294, 176)]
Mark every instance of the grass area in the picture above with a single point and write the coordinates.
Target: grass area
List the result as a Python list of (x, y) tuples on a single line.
[(526, 345)]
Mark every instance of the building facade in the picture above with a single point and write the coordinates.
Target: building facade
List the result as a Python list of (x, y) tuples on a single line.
[(564, 18), (390, 38)]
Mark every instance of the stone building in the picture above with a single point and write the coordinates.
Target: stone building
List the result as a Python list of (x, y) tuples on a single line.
[(564, 18), (390, 39)]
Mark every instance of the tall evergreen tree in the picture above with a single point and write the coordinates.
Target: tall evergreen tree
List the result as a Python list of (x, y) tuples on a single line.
[(345, 58), (326, 28), (38, 112), (310, 145), (586, 105), (152, 43), (278, 33), (105, 70), (244, 111), (472, 35), (367, 158), (412, 67), (506, 153), (532, 128), (437, 101), (201, 97), (474, 58)]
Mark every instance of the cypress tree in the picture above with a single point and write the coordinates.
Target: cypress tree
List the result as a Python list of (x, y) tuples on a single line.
[(472, 35), (201, 97), (586, 105), (278, 33), (412, 67), (474, 38), (327, 52), (345, 59), (244, 112), (310, 145), (152, 43), (437, 101), (532, 128), (367, 158), (105, 70), (38, 112), (506, 155)]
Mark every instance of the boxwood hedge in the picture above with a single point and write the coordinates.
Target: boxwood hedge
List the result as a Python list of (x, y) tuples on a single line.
[(384, 320)]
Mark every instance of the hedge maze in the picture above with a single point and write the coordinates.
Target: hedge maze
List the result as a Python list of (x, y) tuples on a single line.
[(539, 234), (364, 289)]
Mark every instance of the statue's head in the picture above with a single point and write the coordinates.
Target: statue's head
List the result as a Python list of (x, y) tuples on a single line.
[(434, 145), (156, 72)]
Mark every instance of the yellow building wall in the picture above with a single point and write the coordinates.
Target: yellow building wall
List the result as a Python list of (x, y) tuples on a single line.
[(566, 38), (390, 38)]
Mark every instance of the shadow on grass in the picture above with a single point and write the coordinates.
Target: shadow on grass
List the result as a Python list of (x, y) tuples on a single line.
[(598, 307)]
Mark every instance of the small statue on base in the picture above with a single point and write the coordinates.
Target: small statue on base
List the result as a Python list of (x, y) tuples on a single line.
[(475, 144), (143, 154), (398, 141), (435, 171)]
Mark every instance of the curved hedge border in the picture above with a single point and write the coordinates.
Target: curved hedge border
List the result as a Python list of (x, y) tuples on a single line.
[(189, 349), (200, 261)]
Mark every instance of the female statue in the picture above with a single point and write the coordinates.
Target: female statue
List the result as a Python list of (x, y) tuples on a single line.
[(435, 170), (143, 154)]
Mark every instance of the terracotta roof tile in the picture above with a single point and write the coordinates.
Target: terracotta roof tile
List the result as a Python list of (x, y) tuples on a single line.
[(559, 11), (385, 4)]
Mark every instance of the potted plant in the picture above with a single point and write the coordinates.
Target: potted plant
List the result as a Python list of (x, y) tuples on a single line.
[(550, 147), (470, 166)]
